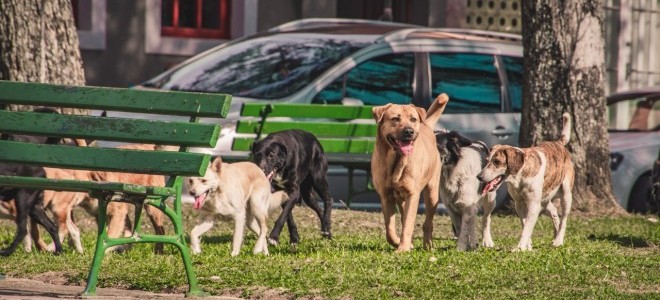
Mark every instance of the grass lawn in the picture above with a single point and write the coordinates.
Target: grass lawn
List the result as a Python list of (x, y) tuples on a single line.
[(602, 258)]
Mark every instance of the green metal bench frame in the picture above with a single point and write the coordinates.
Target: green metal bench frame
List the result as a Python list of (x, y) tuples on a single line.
[(169, 163), (347, 133)]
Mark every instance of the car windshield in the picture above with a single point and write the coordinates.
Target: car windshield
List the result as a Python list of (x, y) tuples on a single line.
[(638, 114), (266, 67)]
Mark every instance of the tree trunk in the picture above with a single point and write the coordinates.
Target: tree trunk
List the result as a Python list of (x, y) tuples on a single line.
[(39, 43), (564, 72)]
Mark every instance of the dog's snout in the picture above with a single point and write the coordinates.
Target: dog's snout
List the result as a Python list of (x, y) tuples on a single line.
[(480, 177), (408, 131)]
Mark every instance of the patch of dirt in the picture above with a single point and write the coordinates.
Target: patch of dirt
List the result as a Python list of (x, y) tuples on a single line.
[(19, 288)]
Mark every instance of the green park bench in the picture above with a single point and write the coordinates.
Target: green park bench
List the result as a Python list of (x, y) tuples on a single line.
[(173, 164), (347, 133)]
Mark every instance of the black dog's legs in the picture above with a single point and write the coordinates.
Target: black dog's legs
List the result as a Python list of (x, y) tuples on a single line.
[(321, 187), (286, 215), (38, 214), (324, 216), (21, 225), (293, 230), (28, 203)]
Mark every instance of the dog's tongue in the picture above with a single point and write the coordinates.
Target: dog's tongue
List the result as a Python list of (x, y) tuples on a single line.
[(490, 186), (406, 147), (199, 201)]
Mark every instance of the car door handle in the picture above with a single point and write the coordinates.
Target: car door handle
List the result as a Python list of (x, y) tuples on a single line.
[(501, 131)]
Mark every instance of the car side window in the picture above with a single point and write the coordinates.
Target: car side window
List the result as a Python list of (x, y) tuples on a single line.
[(380, 80), (514, 74), (471, 81)]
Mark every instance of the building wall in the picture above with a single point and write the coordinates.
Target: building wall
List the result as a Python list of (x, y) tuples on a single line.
[(124, 62)]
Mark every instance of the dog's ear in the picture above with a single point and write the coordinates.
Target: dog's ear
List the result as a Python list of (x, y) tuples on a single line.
[(379, 111), (216, 165), (460, 140), (422, 114), (282, 151), (515, 159)]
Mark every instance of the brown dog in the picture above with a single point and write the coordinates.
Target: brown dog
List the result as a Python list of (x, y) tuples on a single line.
[(61, 203), (534, 176), (406, 163)]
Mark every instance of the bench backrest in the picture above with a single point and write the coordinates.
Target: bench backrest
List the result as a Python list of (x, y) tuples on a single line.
[(178, 133), (340, 129)]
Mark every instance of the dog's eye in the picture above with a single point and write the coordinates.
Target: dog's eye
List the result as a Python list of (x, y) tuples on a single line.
[(414, 120), (396, 119), (203, 180)]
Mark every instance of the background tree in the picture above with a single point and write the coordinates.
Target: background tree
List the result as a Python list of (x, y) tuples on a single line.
[(39, 43), (564, 72)]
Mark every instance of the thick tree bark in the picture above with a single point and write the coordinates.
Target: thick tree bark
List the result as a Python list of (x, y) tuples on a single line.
[(39, 43), (564, 72)]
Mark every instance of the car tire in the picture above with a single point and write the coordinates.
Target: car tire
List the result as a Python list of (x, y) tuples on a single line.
[(640, 197)]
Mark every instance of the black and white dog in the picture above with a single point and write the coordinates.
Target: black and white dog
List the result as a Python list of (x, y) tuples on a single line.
[(294, 161), (461, 191)]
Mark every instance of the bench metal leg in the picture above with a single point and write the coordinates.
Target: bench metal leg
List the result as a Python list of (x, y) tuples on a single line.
[(103, 242), (99, 253), (175, 216)]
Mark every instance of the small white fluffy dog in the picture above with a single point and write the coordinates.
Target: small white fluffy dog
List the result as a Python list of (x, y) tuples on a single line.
[(238, 190)]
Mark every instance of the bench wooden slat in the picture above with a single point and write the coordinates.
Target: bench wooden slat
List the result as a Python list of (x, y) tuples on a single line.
[(327, 129), (84, 186), (116, 99), (106, 159), (109, 129), (330, 145), (341, 112)]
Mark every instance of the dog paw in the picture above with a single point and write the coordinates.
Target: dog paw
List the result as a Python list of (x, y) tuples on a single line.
[(487, 244), (235, 253), (273, 242), (326, 234), (557, 243), (403, 248)]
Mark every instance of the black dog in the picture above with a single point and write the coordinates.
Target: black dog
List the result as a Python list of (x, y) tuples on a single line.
[(294, 161), (29, 202)]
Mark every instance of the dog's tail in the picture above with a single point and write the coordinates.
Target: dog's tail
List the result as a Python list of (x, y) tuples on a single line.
[(276, 199), (436, 109), (566, 131)]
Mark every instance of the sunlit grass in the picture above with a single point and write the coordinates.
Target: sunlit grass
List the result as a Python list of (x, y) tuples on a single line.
[(603, 258)]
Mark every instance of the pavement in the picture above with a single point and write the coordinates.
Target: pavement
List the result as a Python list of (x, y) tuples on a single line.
[(19, 288)]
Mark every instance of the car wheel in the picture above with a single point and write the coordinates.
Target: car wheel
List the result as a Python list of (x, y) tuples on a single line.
[(640, 197)]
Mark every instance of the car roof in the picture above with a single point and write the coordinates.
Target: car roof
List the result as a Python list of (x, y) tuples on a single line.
[(652, 92), (391, 31), (341, 24)]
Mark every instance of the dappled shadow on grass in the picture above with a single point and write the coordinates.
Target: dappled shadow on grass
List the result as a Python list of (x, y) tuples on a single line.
[(623, 240)]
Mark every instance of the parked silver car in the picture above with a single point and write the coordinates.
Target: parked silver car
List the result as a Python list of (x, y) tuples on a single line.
[(634, 128), (357, 62)]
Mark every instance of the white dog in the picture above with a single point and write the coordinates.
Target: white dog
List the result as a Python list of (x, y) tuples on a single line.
[(534, 176), (240, 191)]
